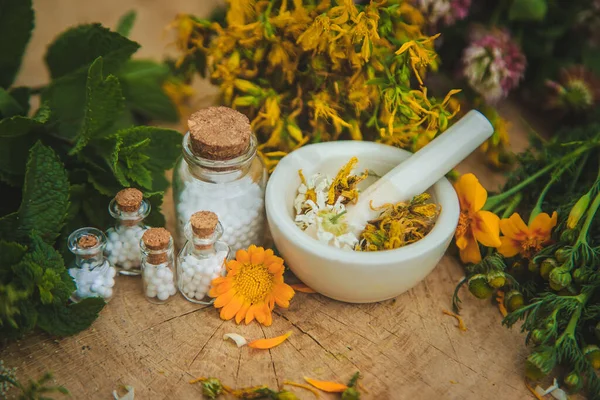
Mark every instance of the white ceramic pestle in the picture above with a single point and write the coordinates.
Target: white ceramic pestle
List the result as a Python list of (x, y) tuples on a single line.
[(422, 169)]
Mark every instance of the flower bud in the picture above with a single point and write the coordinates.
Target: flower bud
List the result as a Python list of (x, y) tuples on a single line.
[(245, 101), (573, 381), (478, 286), (560, 277), (537, 336), (578, 210), (538, 365), (513, 300), (579, 275), (533, 267), (496, 279), (546, 267), (211, 388), (285, 395), (592, 353), (562, 255), (350, 394), (568, 236), (247, 87)]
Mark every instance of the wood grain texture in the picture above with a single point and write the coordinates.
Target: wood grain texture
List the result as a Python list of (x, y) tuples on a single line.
[(405, 348)]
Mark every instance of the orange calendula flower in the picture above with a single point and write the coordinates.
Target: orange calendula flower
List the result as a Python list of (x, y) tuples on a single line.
[(254, 283), (474, 224), (526, 240)]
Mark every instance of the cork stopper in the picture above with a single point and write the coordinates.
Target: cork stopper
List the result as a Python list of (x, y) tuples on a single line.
[(156, 239), (219, 133), (204, 223), (129, 200), (87, 241)]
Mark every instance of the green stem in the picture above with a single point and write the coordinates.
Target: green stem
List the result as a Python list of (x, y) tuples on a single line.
[(514, 203), (493, 201), (538, 205), (336, 217), (582, 238), (578, 171)]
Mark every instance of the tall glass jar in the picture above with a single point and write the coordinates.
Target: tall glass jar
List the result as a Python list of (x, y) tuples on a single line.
[(220, 172), (92, 273), (203, 257), (128, 208), (158, 265)]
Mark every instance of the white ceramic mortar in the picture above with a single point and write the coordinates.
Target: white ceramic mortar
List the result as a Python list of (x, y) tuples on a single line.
[(355, 277)]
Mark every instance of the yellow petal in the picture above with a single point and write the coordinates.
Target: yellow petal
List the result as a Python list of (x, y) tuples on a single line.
[(471, 194), (270, 342), (225, 298), (283, 294), (509, 247), (232, 308), (249, 315), (542, 225), (486, 228), (462, 241), (301, 287), (242, 256), (276, 268), (471, 253), (269, 315), (514, 227), (233, 267), (257, 256), (241, 314), (327, 386)]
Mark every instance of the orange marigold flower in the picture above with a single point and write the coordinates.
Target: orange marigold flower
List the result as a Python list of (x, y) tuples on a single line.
[(526, 240), (474, 224), (254, 283)]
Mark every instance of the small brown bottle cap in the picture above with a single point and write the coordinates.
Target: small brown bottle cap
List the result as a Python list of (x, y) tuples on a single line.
[(87, 241), (219, 133), (129, 200), (156, 238), (204, 223)]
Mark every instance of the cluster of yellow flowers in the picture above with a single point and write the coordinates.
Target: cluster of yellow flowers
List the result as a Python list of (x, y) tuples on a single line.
[(306, 71)]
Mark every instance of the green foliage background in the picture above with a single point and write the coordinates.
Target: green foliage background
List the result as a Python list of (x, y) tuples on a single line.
[(61, 164)]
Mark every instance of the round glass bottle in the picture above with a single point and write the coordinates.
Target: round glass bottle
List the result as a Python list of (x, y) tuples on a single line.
[(203, 257), (92, 273), (158, 265), (128, 208), (220, 172)]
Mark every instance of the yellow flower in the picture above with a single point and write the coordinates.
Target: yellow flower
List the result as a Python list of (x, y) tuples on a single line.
[(315, 37), (526, 240), (474, 224), (252, 287), (420, 54), (323, 107), (179, 93)]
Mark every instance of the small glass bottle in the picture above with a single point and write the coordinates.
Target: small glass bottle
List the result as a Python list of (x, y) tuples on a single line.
[(92, 273), (158, 265), (220, 172), (203, 257), (129, 208)]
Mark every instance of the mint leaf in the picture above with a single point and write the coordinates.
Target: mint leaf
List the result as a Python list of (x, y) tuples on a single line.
[(142, 82), (126, 23), (104, 104), (17, 313), (72, 319), (78, 47), (18, 125), (13, 157), (16, 23), (527, 10), (10, 253), (156, 218), (21, 94), (45, 198), (9, 106), (66, 97)]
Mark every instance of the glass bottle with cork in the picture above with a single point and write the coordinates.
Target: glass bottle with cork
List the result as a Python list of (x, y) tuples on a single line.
[(92, 273), (220, 172), (158, 265), (128, 208), (203, 257)]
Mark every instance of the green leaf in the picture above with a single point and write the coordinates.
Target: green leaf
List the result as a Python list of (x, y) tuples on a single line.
[(156, 218), (16, 24), (19, 125), (527, 10), (13, 157), (66, 97), (142, 82), (10, 253), (126, 23), (9, 106), (21, 94), (78, 47), (45, 198), (104, 104), (71, 319)]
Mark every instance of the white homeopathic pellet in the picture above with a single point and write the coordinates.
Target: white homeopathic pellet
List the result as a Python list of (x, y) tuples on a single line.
[(123, 248), (94, 281), (159, 281), (197, 274)]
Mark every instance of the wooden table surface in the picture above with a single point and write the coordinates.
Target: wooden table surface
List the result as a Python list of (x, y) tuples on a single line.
[(405, 348)]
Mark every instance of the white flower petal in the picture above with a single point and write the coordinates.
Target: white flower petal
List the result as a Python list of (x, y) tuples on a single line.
[(238, 339)]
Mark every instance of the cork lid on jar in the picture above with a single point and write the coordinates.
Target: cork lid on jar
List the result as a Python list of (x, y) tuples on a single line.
[(156, 238), (204, 223), (87, 241), (129, 200), (219, 133)]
